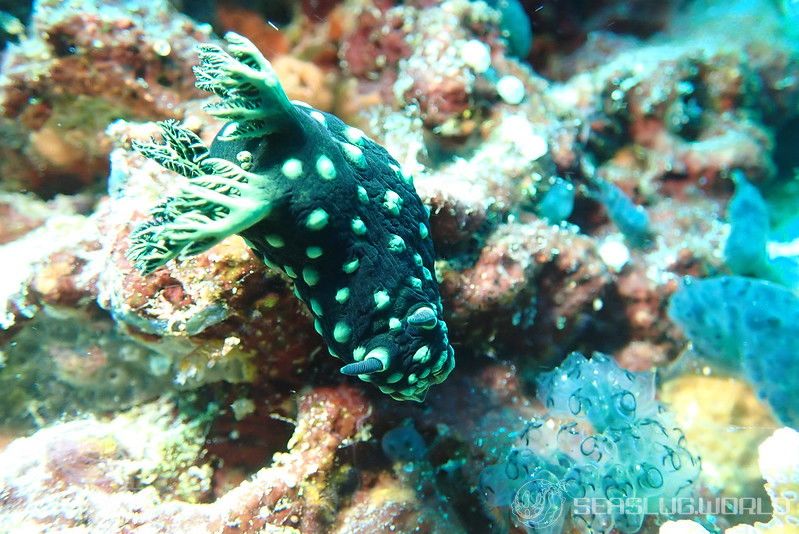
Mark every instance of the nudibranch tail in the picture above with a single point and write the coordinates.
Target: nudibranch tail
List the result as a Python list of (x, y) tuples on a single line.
[(318, 200)]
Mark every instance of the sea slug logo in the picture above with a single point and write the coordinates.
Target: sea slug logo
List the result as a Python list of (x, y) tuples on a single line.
[(539, 503)]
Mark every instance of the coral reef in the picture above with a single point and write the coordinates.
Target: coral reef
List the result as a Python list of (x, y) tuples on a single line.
[(573, 163), (98, 470), (82, 65), (70, 365), (534, 280)]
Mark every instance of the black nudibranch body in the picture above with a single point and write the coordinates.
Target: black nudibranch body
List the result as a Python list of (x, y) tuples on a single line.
[(318, 200)]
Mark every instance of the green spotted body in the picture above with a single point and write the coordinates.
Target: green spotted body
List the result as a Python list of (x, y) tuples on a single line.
[(318, 200)]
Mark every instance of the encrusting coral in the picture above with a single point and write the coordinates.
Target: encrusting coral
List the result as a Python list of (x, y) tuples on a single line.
[(318, 200)]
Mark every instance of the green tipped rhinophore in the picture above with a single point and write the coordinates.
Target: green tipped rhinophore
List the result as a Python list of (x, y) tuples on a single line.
[(317, 199)]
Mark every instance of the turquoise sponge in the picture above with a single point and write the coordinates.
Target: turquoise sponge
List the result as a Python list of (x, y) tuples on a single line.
[(747, 328)]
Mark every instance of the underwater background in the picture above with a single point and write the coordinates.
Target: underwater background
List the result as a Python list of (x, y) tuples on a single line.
[(364, 266)]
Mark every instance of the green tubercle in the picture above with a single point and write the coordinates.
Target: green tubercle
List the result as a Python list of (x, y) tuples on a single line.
[(382, 299), (342, 295), (363, 196), (351, 266), (292, 168), (358, 226), (392, 202), (325, 168), (341, 332), (317, 219), (310, 276), (396, 244)]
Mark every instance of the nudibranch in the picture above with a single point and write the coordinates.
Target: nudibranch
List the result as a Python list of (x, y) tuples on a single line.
[(316, 199)]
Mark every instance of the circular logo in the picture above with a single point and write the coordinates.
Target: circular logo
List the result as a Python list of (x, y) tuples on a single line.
[(539, 503)]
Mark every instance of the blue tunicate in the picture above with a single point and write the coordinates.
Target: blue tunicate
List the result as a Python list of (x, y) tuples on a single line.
[(745, 327), (404, 443), (557, 203), (631, 219), (632, 451)]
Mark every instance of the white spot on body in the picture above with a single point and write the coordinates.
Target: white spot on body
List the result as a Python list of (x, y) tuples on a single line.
[(275, 240), (325, 168), (310, 275), (354, 155), (342, 295), (354, 135), (317, 219), (363, 196), (394, 378), (351, 266), (292, 168), (396, 244), (358, 354), (342, 332), (422, 354), (392, 202), (382, 299), (358, 226)]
